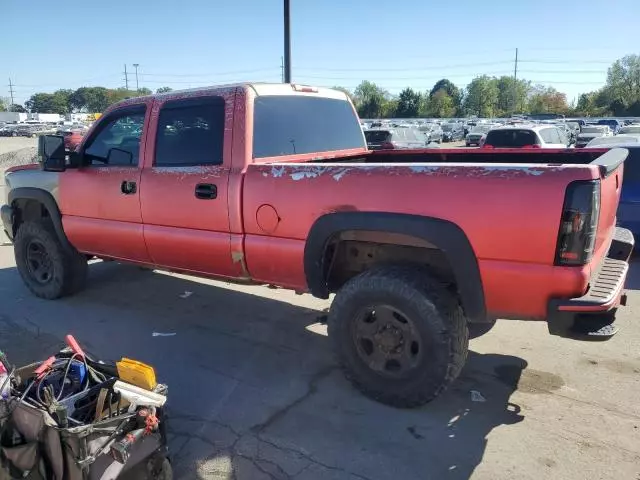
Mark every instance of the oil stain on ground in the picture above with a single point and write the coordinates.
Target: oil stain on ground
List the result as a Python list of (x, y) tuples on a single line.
[(528, 380)]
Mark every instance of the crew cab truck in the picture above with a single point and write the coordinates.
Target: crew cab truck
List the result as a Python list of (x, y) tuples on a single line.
[(273, 184)]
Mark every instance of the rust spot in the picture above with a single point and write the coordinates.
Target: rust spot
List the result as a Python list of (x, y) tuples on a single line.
[(238, 257), (342, 208)]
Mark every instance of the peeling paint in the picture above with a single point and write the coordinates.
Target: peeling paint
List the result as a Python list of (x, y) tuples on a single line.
[(277, 172)]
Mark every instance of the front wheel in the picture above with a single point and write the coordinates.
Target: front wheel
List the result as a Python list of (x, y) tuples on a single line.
[(47, 268), (400, 337)]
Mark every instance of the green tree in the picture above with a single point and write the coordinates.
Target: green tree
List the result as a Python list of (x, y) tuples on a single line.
[(47, 103), (512, 95), (441, 105), (3, 107), (452, 91), (164, 90), (370, 100), (547, 100), (408, 104), (90, 99), (16, 107), (623, 79), (482, 96)]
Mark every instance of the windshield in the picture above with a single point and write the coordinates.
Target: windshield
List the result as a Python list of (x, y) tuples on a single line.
[(481, 129), (447, 127), (511, 138), (377, 136), (286, 125), (592, 130), (630, 129)]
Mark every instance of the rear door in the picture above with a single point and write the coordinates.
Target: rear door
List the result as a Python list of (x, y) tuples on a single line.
[(100, 201), (185, 183)]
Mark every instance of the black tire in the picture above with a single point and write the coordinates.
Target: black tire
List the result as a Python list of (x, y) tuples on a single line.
[(62, 272), (160, 469), (436, 322), (478, 329)]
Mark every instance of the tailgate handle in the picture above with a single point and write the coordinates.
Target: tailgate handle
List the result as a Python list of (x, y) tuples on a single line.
[(206, 191)]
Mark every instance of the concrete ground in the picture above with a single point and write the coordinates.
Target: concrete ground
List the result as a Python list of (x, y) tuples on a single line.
[(255, 392)]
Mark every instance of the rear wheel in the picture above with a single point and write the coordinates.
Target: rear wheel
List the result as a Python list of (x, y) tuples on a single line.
[(48, 269), (399, 335)]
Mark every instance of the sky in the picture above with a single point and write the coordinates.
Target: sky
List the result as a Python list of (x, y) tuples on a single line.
[(182, 44)]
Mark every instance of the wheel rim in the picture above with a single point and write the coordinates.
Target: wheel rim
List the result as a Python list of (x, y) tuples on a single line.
[(387, 340), (38, 262)]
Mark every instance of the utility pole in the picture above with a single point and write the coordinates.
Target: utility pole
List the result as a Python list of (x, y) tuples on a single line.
[(126, 77), (287, 43), (11, 93), (282, 68), (515, 83), (136, 65)]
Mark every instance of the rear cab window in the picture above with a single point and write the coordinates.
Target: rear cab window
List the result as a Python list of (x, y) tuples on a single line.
[(511, 138), (299, 124)]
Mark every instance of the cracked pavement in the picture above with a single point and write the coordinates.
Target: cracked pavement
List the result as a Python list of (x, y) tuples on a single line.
[(254, 392)]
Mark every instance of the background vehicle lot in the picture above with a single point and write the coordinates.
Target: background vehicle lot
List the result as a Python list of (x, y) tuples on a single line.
[(255, 391)]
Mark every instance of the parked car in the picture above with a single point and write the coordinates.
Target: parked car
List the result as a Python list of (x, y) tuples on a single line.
[(432, 131), (391, 138), (304, 205), (574, 130), (613, 123), (452, 132), (613, 140), (628, 214), (589, 132), (522, 136), (9, 131), (475, 135), (633, 129)]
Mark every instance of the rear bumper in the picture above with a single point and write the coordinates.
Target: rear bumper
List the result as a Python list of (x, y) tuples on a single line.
[(605, 293), (6, 215)]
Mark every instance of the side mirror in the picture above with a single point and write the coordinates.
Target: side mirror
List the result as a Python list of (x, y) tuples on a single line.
[(51, 153)]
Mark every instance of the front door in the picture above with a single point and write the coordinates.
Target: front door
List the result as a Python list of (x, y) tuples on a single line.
[(184, 185), (100, 201)]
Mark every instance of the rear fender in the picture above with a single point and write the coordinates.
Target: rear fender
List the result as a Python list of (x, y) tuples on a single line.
[(445, 235)]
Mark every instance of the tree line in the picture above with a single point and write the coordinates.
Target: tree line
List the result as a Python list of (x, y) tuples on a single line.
[(484, 96), (487, 96), (84, 99)]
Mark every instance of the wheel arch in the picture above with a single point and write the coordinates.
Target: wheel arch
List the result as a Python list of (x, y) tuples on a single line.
[(444, 235), (31, 194)]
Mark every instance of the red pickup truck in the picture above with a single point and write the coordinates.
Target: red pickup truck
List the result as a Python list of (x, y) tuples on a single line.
[(273, 184)]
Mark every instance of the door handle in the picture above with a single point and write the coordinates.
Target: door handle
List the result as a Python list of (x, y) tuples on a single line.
[(128, 188), (206, 191)]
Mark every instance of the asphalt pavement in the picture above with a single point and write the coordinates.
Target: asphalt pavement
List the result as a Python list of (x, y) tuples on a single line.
[(255, 392)]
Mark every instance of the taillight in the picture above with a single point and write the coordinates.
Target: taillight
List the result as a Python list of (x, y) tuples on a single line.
[(486, 145), (387, 146), (579, 223)]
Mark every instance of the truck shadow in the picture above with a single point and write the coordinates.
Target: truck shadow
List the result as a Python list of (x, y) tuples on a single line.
[(253, 392)]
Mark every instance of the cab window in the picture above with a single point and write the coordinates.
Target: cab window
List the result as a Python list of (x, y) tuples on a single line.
[(117, 142)]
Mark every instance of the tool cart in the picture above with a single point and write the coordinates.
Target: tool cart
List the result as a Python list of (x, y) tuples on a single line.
[(71, 417)]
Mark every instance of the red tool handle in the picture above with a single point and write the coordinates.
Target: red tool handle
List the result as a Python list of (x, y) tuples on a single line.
[(44, 366), (73, 344)]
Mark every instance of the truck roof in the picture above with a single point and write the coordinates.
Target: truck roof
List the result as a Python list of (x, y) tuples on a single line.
[(258, 87)]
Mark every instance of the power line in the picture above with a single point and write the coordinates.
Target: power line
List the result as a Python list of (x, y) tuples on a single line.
[(241, 72), (404, 69)]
